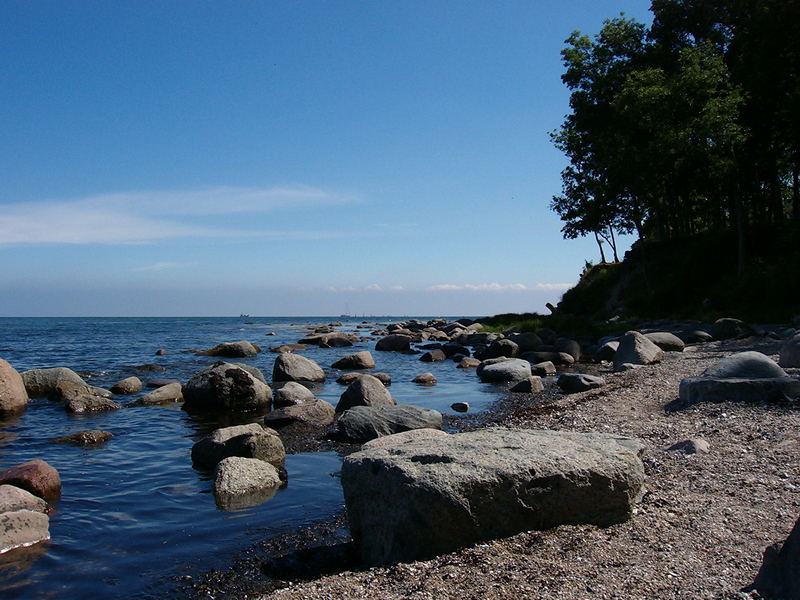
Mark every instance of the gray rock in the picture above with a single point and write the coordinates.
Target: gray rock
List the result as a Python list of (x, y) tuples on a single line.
[(544, 369), (745, 365), (425, 379), (14, 498), (81, 398), (568, 346), (394, 343), (668, 342), (790, 352), (240, 349), (23, 528), (365, 391), (713, 389), (289, 393), (636, 349), (91, 437), (293, 367), (129, 385), (779, 575), (359, 360), (513, 369), (726, 329), (499, 348), (160, 382), (697, 336), (243, 482), (254, 371), (384, 378), (412, 497), (433, 356), (691, 446), (468, 363), (331, 339), (226, 387), (531, 385), (166, 394), (363, 423), (526, 342), (248, 441), (557, 358), (42, 382), (13, 396), (607, 351), (572, 383), (314, 413)]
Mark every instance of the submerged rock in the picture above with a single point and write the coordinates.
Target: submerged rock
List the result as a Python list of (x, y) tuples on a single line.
[(425, 379), (166, 394), (86, 438)]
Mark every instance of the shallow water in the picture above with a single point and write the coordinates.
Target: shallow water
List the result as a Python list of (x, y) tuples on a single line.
[(134, 512)]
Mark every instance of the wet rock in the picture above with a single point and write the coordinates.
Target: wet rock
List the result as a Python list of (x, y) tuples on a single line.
[(289, 348), (15, 498), (365, 391), (225, 386), (394, 343), (240, 349), (572, 383), (243, 482), (668, 342), (35, 476), (13, 396), (42, 382), (160, 352), (433, 356), (157, 382), (513, 369), (248, 441), (363, 423), (460, 406), (409, 498), (129, 385), (425, 379), (359, 360), (86, 438), (81, 398), (330, 340), (384, 378), (293, 367), (544, 369), (531, 385), (451, 350), (167, 394), (150, 368), (635, 348), (23, 528), (314, 412), (289, 393), (468, 363)]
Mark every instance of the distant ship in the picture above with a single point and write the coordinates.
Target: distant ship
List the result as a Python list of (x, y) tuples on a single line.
[(243, 315)]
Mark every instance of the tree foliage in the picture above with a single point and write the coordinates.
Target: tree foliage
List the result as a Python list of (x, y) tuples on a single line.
[(688, 126)]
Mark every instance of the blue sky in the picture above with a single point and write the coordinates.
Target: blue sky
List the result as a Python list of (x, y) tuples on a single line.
[(285, 158)]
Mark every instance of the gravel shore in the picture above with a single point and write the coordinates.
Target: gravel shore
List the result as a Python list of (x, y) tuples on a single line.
[(698, 532)]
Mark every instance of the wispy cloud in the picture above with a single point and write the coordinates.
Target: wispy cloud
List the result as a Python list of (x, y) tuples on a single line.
[(554, 287), (144, 217), (480, 287)]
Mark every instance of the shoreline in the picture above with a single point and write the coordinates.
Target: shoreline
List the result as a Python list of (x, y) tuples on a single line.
[(699, 530)]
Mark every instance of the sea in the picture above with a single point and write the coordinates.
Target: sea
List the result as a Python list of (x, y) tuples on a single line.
[(135, 516)]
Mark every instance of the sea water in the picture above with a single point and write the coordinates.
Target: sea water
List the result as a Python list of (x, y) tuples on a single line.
[(134, 513)]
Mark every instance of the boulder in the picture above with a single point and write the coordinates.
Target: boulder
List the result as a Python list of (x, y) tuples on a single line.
[(460, 406), (668, 342), (745, 365), (526, 342), (363, 423), (691, 446), (242, 482), (790, 352), (13, 396), (499, 348), (150, 368), (81, 398), (568, 346), (315, 413), (225, 386), (779, 575), (15, 498), (513, 369), (129, 385), (254, 371), (544, 369), (329, 339), (42, 382), (572, 383), (359, 360), (248, 441), (607, 351), (384, 378), (293, 367), (425, 379), (727, 328), (433, 356), (413, 497), (160, 352), (86, 438), (531, 385), (451, 350), (696, 336), (394, 343), (290, 393), (468, 363), (35, 476), (166, 394), (557, 358), (160, 382), (241, 349), (288, 348), (22, 528), (365, 391), (636, 349)]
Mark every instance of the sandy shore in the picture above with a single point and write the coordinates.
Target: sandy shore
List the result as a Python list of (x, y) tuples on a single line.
[(699, 531)]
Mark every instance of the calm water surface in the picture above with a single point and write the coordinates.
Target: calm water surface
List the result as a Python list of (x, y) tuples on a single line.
[(133, 511)]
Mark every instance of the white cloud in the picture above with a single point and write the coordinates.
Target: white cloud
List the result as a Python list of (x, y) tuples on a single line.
[(142, 217), (443, 287), (480, 287), (554, 287), (374, 287)]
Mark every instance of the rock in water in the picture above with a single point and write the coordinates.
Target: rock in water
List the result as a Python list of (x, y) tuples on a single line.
[(425, 495), (42, 382), (226, 386), (365, 391), (166, 394), (293, 367), (86, 438), (242, 482), (129, 385), (22, 528), (634, 348), (13, 396), (241, 349), (394, 343), (247, 441), (514, 369), (35, 476), (363, 423), (359, 360), (290, 393), (15, 498), (315, 413), (425, 379)]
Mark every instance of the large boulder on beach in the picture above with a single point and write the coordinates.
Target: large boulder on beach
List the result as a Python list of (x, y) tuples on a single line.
[(606, 351), (412, 497), (13, 396), (634, 348), (240, 349), (365, 391), (293, 367), (741, 377), (571, 383), (248, 441), (42, 382), (531, 385), (394, 343), (363, 423), (513, 369), (668, 342), (779, 575), (544, 369), (127, 386), (539, 356), (359, 360), (728, 328), (241, 482), (22, 528), (568, 346), (226, 387), (35, 476), (166, 394), (289, 393), (790, 352), (314, 413)]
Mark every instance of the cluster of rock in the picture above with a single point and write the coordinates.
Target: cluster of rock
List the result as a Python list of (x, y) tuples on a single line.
[(25, 491)]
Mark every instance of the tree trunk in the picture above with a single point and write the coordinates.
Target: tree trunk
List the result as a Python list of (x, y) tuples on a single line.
[(600, 245), (614, 244)]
